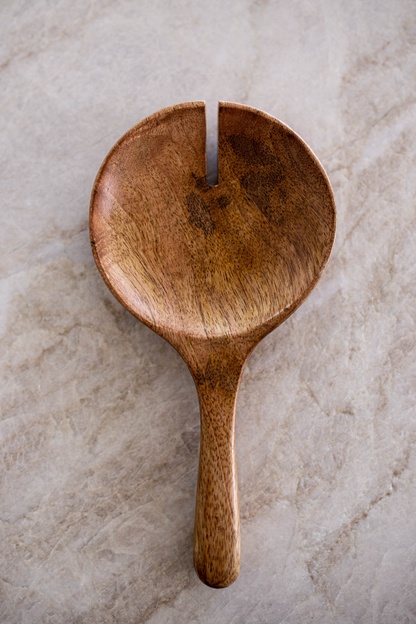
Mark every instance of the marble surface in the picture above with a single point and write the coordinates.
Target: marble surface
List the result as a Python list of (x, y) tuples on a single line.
[(99, 430)]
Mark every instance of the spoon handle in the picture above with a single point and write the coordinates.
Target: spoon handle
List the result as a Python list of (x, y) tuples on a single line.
[(217, 517)]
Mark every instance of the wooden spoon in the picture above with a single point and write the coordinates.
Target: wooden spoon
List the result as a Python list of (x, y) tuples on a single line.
[(212, 269)]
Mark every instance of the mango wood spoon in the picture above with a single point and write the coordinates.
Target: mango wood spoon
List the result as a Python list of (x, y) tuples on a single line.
[(212, 270)]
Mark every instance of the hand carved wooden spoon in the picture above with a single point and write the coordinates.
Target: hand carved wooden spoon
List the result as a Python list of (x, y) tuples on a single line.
[(212, 269)]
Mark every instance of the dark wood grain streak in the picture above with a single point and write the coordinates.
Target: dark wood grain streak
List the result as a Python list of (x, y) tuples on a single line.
[(212, 269)]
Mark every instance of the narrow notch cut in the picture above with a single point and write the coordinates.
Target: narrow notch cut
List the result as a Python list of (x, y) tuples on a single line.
[(211, 117)]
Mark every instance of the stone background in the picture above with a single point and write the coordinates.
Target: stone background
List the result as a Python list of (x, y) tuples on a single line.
[(99, 430)]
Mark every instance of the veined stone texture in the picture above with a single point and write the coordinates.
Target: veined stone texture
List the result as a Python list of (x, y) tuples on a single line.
[(99, 431)]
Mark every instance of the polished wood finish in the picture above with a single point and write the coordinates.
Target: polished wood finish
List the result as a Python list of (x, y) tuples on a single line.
[(212, 269)]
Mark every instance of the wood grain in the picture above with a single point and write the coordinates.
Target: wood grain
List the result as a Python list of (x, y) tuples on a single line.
[(212, 269)]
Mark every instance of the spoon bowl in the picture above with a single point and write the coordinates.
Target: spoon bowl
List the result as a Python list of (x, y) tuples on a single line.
[(212, 269)]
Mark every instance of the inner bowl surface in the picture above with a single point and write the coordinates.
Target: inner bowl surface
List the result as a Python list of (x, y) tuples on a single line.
[(206, 261)]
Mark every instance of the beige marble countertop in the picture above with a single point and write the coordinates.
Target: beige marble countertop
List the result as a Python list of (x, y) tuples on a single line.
[(99, 430)]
